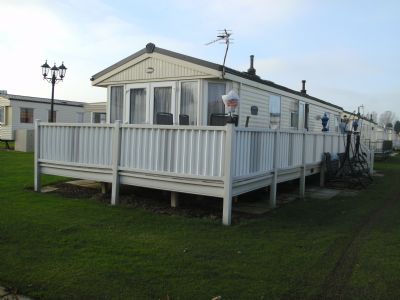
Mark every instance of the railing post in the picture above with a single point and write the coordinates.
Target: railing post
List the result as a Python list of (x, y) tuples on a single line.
[(115, 162), (274, 183), (228, 173), (323, 165), (372, 159), (37, 182), (302, 187)]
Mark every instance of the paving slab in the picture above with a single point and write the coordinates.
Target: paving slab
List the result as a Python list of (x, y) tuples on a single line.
[(48, 189), (85, 183), (321, 193)]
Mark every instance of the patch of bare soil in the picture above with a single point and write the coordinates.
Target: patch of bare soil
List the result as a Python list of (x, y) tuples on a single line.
[(158, 201)]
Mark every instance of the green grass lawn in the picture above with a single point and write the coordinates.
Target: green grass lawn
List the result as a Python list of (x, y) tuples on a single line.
[(56, 248)]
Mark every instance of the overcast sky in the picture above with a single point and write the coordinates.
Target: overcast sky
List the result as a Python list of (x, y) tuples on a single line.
[(348, 51)]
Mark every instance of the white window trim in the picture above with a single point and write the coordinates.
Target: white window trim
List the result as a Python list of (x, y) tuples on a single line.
[(108, 108), (127, 102), (171, 84), (228, 84), (280, 109), (180, 99)]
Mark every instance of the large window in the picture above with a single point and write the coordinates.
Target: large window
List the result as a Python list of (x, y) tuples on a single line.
[(162, 101), (116, 103), (2, 115), (137, 114), (26, 115), (54, 116), (215, 103), (274, 111), (189, 99)]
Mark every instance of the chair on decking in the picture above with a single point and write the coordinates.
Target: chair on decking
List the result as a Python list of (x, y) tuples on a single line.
[(183, 119), (217, 119), (164, 118)]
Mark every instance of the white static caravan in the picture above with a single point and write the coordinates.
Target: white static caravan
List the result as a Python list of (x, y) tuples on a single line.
[(156, 80), (20, 112), (283, 140)]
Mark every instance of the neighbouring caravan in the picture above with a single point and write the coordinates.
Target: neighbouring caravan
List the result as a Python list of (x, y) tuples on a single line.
[(20, 112), (156, 80), (97, 111)]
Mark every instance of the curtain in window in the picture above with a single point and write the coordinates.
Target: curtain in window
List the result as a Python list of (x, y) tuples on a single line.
[(26, 115), (116, 103), (215, 103), (189, 101), (137, 114), (162, 100)]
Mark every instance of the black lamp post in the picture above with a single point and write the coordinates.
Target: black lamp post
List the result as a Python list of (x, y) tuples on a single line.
[(57, 74)]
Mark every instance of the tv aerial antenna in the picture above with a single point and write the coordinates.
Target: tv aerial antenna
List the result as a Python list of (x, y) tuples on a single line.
[(224, 37)]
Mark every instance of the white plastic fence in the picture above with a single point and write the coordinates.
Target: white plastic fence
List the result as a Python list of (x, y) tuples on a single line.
[(192, 151), (183, 150), (76, 143), (254, 149)]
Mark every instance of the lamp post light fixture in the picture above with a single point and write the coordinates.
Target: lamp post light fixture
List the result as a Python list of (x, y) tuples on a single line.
[(57, 74)]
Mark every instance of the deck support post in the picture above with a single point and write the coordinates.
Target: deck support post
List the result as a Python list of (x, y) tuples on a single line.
[(174, 199), (302, 187), (274, 183), (37, 181), (115, 162), (104, 187), (228, 174)]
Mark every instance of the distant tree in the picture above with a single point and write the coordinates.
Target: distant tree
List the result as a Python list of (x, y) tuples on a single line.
[(387, 117), (397, 127)]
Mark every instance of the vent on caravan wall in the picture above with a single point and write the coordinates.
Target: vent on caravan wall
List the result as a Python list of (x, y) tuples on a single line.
[(303, 91)]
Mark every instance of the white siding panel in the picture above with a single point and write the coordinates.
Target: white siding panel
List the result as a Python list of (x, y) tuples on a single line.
[(250, 96), (162, 70)]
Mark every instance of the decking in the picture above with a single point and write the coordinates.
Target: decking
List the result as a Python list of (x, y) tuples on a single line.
[(213, 161)]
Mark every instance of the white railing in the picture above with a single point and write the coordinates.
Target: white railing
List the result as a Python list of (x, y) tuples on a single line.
[(76, 143), (254, 149), (208, 160), (182, 150)]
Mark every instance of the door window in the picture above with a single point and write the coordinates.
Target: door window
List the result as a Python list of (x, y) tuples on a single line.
[(137, 113)]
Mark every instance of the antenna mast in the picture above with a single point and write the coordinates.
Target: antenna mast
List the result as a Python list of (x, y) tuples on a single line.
[(224, 37)]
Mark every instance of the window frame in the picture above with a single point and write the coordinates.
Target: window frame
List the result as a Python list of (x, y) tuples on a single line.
[(206, 99), (29, 109), (3, 108), (198, 106), (109, 101), (271, 114)]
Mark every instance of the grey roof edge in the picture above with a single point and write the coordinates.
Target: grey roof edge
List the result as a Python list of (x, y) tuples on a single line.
[(361, 116), (210, 65), (42, 100)]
